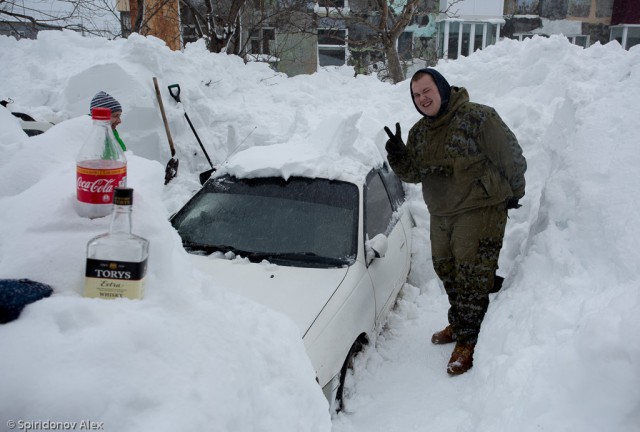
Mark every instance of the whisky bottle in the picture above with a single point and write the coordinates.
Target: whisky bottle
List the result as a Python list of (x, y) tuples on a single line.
[(117, 260)]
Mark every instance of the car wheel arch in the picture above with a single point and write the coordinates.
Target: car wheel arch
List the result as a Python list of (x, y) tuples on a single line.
[(356, 348)]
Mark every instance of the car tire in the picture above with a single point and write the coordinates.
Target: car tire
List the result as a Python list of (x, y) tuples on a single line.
[(356, 348)]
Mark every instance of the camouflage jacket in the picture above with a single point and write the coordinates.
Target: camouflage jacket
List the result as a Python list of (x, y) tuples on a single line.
[(466, 158)]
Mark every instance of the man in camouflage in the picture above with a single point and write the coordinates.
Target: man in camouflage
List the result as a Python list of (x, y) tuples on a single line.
[(472, 171)]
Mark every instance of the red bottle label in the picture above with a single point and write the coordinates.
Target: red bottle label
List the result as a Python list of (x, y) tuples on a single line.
[(97, 179)]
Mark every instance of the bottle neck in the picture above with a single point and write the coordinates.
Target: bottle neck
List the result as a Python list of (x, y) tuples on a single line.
[(121, 219), (101, 122)]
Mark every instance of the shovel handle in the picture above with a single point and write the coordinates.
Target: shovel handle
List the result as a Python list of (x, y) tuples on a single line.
[(175, 95), (164, 117)]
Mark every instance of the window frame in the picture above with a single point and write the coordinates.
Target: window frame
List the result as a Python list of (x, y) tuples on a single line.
[(464, 35), (258, 36), (623, 30), (328, 47), (395, 197)]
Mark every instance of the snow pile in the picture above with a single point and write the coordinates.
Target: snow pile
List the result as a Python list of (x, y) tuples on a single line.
[(558, 349)]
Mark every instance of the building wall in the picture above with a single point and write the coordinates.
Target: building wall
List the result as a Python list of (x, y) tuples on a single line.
[(553, 9), (472, 8), (163, 24), (299, 54), (21, 30), (592, 11), (521, 7), (625, 12), (569, 17)]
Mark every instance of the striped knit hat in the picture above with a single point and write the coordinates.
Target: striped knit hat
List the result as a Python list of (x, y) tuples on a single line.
[(104, 100)]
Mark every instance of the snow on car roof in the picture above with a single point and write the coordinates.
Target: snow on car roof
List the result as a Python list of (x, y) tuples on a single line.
[(335, 150)]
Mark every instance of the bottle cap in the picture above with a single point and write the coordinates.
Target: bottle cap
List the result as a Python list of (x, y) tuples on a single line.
[(123, 196), (101, 114)]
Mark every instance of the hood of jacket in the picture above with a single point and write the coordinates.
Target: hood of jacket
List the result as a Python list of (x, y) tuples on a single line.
[(458, 97)]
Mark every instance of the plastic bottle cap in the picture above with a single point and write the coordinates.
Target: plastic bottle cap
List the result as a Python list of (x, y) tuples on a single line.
[(101, 114)]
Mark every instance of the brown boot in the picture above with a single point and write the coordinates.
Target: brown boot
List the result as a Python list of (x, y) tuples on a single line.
[(461, 359), (444, 336)]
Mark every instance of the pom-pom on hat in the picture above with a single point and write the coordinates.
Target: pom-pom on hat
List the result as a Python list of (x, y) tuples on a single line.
[(105, 100)]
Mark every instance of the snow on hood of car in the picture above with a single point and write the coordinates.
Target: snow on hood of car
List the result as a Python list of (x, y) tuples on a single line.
[(337, 149), (297, 292)]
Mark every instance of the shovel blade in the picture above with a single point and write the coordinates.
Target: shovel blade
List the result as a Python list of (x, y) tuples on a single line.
[(497, 283), (204, 176), (171, 170)]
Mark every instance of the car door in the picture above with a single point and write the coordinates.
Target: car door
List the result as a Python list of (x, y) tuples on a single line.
[(388, 273)]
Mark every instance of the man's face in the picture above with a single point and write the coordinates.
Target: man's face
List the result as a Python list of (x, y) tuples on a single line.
[(115, 119), (426, 95)]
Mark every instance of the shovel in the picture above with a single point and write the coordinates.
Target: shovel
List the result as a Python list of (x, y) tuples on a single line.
[(174, 91), (172, 166)]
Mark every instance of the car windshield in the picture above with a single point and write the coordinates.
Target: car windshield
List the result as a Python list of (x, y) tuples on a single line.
[(298, 222)]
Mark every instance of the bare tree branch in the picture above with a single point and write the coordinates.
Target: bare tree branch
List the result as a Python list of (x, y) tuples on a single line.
[(97, 17)]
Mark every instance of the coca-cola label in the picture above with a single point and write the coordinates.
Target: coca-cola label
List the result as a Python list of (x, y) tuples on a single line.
[(96, 186)]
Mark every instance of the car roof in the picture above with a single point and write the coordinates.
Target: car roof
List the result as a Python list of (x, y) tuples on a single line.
[(302, 159)]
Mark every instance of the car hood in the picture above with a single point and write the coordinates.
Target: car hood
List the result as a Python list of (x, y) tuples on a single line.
[(298, 292)]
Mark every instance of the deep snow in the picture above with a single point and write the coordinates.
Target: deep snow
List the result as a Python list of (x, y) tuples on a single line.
[(559, 347)]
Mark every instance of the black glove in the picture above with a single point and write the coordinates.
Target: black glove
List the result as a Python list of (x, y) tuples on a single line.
[(512, 203), (395, 146)]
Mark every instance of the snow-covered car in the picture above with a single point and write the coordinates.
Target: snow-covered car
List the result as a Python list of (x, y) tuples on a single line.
[(330, 254), (29, 125), (33, 127)]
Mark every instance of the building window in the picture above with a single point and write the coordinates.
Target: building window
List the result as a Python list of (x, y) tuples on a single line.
[(333, 8), (405, 46), (332, 47), (580, 40), (627, 35), (462, 38), (331, 4), (189, 34), (263, 41), (523, 36)]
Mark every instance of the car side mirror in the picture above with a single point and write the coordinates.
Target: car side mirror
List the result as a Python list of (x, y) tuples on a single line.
[(376, 247)]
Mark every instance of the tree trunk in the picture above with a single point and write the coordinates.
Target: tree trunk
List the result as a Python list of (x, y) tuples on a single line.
[(137, 10), (222, 28), (393, 61)]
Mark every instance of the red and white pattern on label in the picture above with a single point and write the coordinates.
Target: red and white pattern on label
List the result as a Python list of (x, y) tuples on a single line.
[(97, 179)]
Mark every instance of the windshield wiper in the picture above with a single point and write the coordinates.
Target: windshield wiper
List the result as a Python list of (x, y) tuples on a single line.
[(306, 257), (290, 257), (211, 248)]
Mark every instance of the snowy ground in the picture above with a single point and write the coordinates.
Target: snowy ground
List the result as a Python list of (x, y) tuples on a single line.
[(559, 348)]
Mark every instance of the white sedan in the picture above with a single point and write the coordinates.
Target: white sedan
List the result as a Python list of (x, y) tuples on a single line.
[(330, 254)]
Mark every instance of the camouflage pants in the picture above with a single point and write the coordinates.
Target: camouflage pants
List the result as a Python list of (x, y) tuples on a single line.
[(465, 250)]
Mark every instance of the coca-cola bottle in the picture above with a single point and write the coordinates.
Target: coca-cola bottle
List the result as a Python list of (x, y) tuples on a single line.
[(101, 166)]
